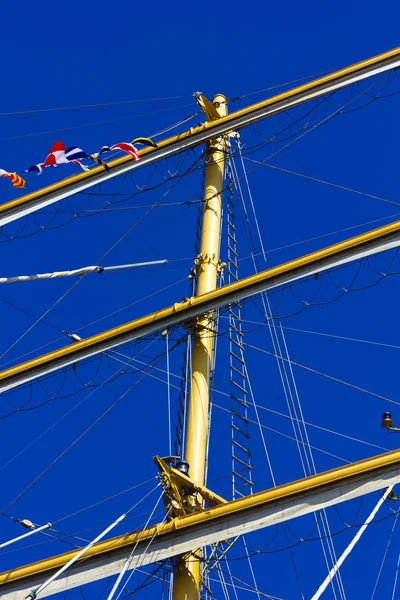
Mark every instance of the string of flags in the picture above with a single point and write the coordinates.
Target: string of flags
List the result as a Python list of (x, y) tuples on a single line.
[(59, 155), (15, 179)]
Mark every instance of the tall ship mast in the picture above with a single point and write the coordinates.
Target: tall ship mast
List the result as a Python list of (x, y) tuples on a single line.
[(179, 395)]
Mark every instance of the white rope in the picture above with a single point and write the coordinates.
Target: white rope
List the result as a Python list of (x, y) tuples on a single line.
[(241, 196), (223, 582), (347, 437), (129, 560), (342, 337), (228, 568), (250, 590), (290, 400), (329, 183), (325, 522), (331, 377), (103, 104), (275, 412), (73, 408), (329, 335), (274, 336), (168, 397), (251, 198), (385, 555), (395, 578), (251, 567), (259, 425), (37, 349), (324, 235), (77, 272), (350, 547)]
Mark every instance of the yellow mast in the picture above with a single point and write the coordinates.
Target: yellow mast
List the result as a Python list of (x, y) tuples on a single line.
[(187, 578), (187, 573)]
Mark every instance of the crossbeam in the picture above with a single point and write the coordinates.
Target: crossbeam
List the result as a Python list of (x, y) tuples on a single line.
[(366, 244), (209, 526), (10, 211)]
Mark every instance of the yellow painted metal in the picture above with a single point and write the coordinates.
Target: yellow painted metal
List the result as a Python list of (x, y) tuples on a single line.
[(24, 201), (172, 490), (189, 581), (207, 516), (210, 111), (244, 286), (187, 572), (177, 480)]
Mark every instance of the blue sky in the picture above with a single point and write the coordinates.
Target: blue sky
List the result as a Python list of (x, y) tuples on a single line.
[(64, 55)]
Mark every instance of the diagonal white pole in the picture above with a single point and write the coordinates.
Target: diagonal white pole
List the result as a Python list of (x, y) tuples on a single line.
[(79, 272), (350, 547), (25, 535), (129, 559), (34, 593), (119, 578)]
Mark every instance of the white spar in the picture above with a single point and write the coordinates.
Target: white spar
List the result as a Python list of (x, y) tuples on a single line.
[(79, 272), (203, 134), (182, 541), (350, 547)]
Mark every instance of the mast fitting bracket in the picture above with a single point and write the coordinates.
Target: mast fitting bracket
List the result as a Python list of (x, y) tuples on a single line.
[(184, 494)]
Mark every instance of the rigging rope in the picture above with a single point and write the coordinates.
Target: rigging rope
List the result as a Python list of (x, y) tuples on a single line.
[(34, 593), (296, 364), (267, 312), (110, 249), (168, 395), (332, 115), (96, 124), (81, 106), (328, 183), (267, 309), (242, 479), (289, 437), (274, 87), (385, 555), (129, 559), (78, 512), (342, 337), (298, 431), (324, 235), (261, 426), (395, 578), (77, 439)]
